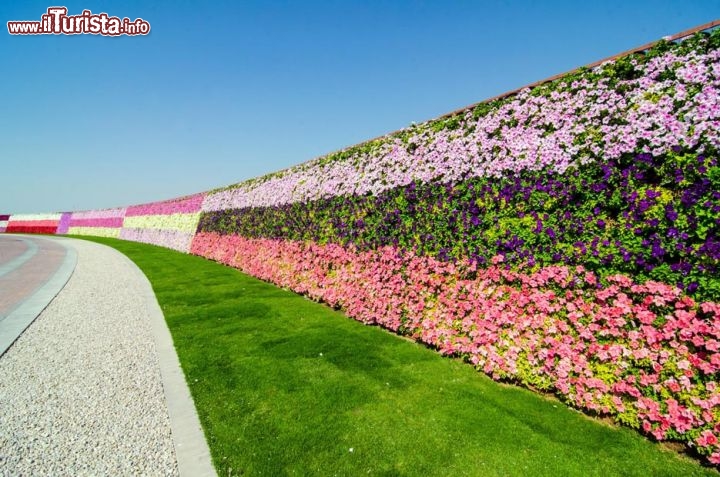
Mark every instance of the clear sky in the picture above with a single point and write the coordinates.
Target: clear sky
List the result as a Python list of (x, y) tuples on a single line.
[(223, 91)]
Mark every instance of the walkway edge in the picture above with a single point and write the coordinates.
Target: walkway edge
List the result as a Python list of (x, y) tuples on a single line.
[(191, 449), (17, 322)]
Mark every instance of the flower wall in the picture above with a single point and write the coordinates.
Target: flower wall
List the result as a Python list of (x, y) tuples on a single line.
[(170, 223), (33, 223), (101, 223), (566, 238)]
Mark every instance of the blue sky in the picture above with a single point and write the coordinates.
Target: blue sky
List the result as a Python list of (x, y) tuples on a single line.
[(224, 91)]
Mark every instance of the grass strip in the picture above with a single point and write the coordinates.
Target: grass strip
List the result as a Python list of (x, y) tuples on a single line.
[(285, 386)]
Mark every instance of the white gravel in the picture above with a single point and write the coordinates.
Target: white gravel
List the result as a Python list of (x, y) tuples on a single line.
[(80, 390)]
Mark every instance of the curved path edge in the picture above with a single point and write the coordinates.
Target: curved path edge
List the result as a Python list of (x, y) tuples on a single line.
[(21, 317), (191, 449)]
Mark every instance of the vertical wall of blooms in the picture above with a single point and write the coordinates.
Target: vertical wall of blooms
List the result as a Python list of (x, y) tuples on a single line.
[(64, 223), (170, 223), (33, 223), (566, 238), (101, 223)]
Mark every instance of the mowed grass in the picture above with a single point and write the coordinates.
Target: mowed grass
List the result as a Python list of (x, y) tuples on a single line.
[(286, 386)]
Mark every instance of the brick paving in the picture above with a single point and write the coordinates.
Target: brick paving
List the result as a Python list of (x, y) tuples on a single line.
[(11, 248), (24, 279)]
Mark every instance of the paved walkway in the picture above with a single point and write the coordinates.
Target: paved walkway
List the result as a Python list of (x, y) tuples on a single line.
[(32, 271), (93, 385)]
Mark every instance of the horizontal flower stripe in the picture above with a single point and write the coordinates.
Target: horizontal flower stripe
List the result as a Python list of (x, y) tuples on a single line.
[(645, 354), (113, 232), (118, 212), (182, 205), (639, 104), (33, 217), (30, 229), (109, 222), (174, 239), (655, 218), (4, 218), (180, 222), (33, 223)]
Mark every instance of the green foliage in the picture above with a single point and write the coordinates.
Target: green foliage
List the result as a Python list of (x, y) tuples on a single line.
[(651, 218)]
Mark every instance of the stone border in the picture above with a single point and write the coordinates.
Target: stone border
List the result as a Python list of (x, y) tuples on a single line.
[(21, 317), (191, 449)]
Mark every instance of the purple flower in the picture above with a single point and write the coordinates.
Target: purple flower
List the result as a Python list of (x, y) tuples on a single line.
[(670, 213)]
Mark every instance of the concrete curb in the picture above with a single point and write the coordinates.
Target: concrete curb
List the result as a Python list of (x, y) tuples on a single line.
[(191, 449), (21, 317)]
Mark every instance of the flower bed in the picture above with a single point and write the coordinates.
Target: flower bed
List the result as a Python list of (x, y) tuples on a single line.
[(174, 239), (180, 222), (101, 222), (116, 213), (641, 104), (95, 231), (643, 353), (654, 218), (170, 223), (64, 223), (182, 205), (33, 223)]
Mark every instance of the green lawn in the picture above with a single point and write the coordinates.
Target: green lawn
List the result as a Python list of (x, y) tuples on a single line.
[(285, 386)]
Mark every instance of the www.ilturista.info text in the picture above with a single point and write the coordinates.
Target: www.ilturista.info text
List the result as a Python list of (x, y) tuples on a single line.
[(57, 22)]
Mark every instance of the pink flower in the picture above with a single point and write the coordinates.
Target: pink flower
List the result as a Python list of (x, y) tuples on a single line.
[(706, 439), (599, 348)]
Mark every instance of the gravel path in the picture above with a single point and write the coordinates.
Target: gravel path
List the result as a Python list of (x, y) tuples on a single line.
[(81, 390)]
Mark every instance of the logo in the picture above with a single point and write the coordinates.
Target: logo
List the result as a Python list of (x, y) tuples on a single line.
[(57, 22)]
